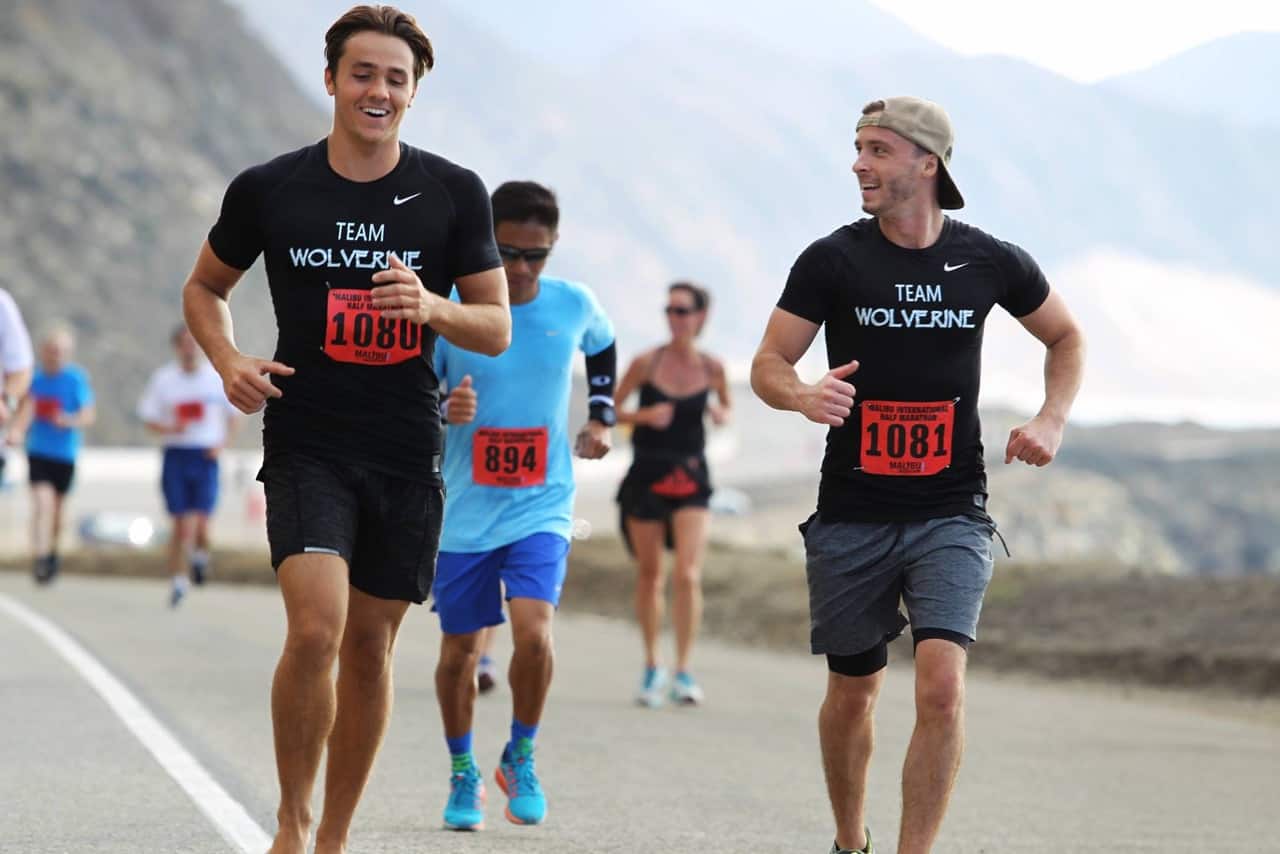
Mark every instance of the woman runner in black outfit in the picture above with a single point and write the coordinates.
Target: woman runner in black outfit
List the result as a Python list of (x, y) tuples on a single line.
[(663, 498)]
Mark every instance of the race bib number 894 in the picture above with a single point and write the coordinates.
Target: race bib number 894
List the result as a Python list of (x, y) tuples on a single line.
[(357, 332), (906, 438), (510, 458)]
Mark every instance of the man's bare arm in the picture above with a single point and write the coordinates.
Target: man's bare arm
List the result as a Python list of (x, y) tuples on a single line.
[(1037, 442), (775, 381), (480, 323), (205, 305)]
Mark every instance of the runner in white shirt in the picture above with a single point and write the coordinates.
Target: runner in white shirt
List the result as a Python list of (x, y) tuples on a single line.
[(16, 362), (185, 404)]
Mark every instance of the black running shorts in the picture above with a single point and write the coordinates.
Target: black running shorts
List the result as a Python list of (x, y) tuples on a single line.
[(386, 528)]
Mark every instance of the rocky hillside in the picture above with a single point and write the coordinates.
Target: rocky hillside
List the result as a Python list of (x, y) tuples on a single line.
[(125, 119)]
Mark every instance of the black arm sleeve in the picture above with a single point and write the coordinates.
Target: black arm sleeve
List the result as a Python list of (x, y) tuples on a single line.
[(602, 373)]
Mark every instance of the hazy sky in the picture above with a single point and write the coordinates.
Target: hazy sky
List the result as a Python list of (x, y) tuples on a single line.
[(1085, 40)]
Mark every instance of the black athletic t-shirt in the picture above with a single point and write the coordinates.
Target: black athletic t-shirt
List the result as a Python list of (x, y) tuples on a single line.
[(364, 390), (913, 318)]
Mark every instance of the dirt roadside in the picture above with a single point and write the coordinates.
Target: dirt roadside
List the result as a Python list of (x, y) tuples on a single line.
[(1203, 636)]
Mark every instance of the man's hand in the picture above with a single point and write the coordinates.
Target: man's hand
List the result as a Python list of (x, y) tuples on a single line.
[(462, 403), (1036, 443), (594, 441), (246, 382), (657, 415), (719, 414), (15, 438), (830, 400), (400, 294)]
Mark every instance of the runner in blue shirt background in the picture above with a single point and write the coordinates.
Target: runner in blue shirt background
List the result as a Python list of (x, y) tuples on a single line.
[(508, 469), (51, 421)]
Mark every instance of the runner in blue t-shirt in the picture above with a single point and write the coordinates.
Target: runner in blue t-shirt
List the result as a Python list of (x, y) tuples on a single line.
[(51, 419), (509, 473)]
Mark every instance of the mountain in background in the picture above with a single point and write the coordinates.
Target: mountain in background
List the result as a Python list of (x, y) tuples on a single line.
[(123, 123), (703, 142), (1231, 80)]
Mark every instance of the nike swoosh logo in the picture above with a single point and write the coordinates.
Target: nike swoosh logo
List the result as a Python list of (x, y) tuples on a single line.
[(948, 268), (399, 201)]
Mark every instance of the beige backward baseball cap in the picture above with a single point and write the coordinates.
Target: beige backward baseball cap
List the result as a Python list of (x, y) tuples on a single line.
[(927, 125)]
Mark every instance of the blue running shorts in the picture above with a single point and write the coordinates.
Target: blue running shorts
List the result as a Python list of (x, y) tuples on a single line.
[(469, 586)]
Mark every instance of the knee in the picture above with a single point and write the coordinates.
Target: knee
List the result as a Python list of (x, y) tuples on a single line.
[(687, 578), (313, 642), (459, 655), (533, 641), (649, 577), (850, 698), (368, 655), (940, 697)]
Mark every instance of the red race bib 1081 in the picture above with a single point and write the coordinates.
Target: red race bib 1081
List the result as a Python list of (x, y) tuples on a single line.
[(357, 332), (509, 458), (906, 438)]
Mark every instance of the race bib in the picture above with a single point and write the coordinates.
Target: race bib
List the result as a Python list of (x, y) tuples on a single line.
[(511, 458), (357, 332), (906, 438), (189, 412), (47, 408)]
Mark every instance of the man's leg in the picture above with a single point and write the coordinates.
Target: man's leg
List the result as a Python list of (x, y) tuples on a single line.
[(532, 659), (456, 682), (364, 709), (315, 591), (847, 733), (43, 498), (933, 758), (200, 547)]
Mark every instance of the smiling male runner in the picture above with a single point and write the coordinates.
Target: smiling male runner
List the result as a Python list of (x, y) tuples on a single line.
[(902, 500), (363, 236)]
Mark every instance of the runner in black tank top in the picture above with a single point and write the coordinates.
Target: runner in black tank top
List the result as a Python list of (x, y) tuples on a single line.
[(664, 497)]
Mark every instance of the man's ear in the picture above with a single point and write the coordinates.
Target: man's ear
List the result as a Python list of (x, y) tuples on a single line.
[(328, 80)]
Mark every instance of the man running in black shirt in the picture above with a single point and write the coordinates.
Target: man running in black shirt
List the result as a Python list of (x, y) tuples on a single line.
[(902, 500), (362, 238)]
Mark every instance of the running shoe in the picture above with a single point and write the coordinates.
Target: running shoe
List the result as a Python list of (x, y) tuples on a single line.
[(685, 691), (176, 594), (653, 687), (487, 675), (465, 807), (869, 849), (42, 569), (199, 571), (516, 776)]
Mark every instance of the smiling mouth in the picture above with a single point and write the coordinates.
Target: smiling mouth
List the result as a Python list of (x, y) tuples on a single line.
[(375, 112)]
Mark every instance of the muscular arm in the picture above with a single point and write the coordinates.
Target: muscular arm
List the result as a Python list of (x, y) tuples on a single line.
[(482, 321), (1037, 441), (207, 311), (774, 379)]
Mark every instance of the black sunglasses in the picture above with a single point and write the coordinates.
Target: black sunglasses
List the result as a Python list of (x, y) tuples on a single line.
[(680, 310), (515, 253)]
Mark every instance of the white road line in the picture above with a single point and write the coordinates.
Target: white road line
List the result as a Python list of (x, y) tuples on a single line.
[(226, 813)]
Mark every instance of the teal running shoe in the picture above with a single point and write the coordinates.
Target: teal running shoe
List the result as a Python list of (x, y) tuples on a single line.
[(869, 849), (653, 688), (685, 691), (465, 808), (516, 776)]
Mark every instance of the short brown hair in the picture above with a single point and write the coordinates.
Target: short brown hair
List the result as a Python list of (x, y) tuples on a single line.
[(387, 20), (701, 297)]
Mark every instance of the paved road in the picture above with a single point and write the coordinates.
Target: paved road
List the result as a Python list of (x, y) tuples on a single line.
[(1049, 768)]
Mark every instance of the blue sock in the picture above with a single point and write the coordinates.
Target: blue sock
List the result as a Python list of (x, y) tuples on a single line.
[(519, 731), (460, 745)]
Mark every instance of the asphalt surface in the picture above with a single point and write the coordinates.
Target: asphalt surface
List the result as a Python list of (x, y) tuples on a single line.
[(1049, 768)]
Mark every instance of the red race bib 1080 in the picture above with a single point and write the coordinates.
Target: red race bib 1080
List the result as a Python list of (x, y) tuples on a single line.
[(906, 438), (509, 458), (357, 332)]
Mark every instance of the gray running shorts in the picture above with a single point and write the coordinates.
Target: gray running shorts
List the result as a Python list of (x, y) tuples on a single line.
[(859, 571)]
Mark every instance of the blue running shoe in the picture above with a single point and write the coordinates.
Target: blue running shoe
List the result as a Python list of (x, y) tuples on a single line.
[(526, 804), (465, 808), (685, 691), (653, 687)]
